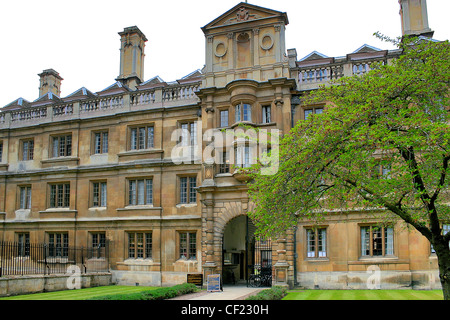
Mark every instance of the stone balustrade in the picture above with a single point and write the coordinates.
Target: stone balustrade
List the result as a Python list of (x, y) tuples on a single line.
[(179, 94)]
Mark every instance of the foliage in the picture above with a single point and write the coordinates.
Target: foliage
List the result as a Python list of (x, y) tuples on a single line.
[(274, 293), (157, 294), (393, 117)]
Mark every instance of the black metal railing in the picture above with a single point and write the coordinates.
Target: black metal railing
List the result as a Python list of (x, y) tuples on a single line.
[(19, 259)]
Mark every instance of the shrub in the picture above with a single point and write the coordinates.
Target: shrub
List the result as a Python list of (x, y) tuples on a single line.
[(157, 294), (274, 293)]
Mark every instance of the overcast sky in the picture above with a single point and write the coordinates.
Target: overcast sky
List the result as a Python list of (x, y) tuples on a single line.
[(79, 39)]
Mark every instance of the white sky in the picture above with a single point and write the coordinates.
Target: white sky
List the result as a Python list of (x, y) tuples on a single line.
[(79, 39)]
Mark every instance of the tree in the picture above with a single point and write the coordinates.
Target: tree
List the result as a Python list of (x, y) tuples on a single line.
[(382, 144)]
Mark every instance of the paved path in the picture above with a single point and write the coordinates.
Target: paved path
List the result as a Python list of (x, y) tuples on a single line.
[(236, 292)]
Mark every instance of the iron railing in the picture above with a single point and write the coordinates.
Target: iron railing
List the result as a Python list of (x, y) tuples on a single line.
[(18, 259)]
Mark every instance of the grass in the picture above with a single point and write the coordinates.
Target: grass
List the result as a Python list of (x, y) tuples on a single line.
[(81, 294), (364, 295)]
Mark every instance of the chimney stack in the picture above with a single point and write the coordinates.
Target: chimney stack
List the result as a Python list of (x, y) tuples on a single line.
[(50, 81), (132, 57), (414, 17)]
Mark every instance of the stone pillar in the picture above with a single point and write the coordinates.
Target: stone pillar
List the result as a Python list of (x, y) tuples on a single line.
[(210, 265), (282, 266)]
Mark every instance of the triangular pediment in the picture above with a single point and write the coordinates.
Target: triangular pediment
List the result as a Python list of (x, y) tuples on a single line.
[(17, 104), (244, 12), (80, 94), (115, 88)]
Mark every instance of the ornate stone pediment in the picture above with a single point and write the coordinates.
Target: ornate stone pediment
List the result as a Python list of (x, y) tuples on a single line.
[(244, 12)]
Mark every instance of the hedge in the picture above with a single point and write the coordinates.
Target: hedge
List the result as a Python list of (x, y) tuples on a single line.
[(156, 294), (274, 293)]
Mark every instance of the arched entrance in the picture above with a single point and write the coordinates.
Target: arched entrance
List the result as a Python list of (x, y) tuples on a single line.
[(245, 259)]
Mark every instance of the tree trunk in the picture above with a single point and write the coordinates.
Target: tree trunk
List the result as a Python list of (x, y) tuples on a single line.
[(443, 255)]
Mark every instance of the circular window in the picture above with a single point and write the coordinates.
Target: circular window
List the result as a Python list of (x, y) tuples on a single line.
[(267, 42), (221, 50)]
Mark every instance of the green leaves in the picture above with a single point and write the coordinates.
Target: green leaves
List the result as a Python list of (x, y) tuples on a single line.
[(392, 120)]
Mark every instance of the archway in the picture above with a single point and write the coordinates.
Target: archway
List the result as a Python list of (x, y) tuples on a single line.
[(234, 250), (237, 249)]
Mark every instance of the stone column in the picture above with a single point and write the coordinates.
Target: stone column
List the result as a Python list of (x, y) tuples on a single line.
[(282, 266), (210, 265)]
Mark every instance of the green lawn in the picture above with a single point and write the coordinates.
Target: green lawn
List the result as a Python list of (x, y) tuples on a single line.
[(81, 294), (364, 295)]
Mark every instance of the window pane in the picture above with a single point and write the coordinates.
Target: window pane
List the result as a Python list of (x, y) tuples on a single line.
[(149, 195), (95, 195), (67, 196), (183, 245), (266, 114), (192, 245), (103, 194), (131, 245), (247, 112), (55, 147), (140, 245), (141, 192), (105, 142), (97, 143), (132, 192), (28, 203), (311, 243), (68, 151), (22, 198), (150, 137), (389, 241), (183, 190), (62, 146), (192, 191), (237, 113), (53, 196), (308, 113), (193, 134), (365, 241), (377, 241), (133, 142), (224, 118), (60, 195), (148, 245), (141, 138), (322, 243)]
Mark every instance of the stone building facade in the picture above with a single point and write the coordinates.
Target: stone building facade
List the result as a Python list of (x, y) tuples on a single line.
[(126, 166)]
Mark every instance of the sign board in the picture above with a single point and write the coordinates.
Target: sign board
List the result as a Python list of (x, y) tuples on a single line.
[(213, 284), (196, 278)]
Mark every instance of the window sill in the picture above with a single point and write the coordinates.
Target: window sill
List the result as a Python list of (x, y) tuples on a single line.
[(186, 205), (325, 259), (139, 207), (138, 152), (184, 260), (60, 161), (379, 260), (139, 262), (97, 209), (51, 210), (58, 213)]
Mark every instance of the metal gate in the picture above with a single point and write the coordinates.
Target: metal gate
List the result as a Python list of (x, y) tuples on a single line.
[(260, 264)]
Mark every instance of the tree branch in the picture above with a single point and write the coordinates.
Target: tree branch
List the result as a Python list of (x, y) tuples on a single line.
[(445, 161)]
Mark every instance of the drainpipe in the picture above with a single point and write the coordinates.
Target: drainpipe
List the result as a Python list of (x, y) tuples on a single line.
[(295, 256)]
